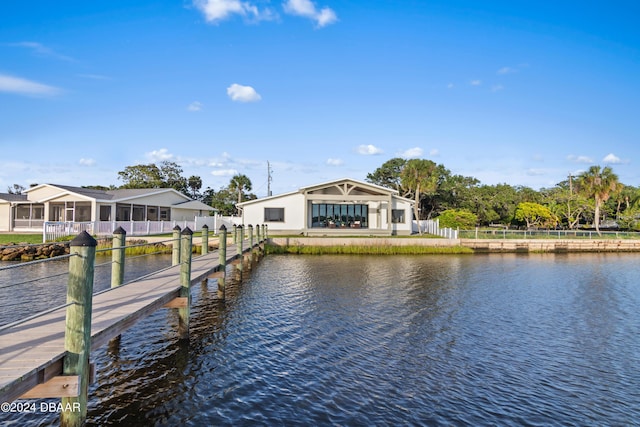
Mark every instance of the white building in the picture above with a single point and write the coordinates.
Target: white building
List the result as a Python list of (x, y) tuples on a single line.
[(345, 206), (61, 203)]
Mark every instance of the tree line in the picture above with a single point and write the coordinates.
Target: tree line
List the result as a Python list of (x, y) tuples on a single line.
[(461, 201)]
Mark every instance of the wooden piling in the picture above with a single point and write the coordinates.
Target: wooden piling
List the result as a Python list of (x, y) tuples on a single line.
[(77, 338), (175, 251), (240, 266), (118, 256), (205, 239), (117, 270), (185, 282), (250, 254), (235, 234), (222, 260), (258, 234)]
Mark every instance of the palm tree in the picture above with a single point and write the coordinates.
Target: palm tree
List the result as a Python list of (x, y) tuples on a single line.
[(239, 184), (420, 176), (599, 184)]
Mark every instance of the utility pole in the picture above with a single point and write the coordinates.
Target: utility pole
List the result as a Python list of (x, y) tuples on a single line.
[(268, 179)]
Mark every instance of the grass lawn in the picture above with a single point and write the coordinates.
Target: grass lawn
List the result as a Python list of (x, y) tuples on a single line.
[(20, 238)]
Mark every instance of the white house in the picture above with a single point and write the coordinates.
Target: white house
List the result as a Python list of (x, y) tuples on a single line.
[(61, 203), (344, 206)]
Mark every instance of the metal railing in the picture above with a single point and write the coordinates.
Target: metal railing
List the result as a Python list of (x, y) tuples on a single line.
[(479, 233)]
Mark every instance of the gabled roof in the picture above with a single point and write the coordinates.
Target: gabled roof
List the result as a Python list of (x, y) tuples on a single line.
[(194, 204), (349, 180), (361, 184), (112, 195)]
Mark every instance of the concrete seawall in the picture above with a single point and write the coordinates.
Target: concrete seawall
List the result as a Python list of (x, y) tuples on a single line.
[(479, 245)]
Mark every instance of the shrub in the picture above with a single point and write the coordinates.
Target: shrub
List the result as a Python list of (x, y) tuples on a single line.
[(458, 218)]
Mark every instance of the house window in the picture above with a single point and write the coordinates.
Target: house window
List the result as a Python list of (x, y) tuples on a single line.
[(138, 213), (165, 214), (23, 212), (273, 214), (83, 212), (397, 216), (339, 215), (123, 212), (105, 213), (152, 213), (56, 212)]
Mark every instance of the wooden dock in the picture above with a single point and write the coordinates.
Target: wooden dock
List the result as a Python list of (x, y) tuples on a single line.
[(32, 353)]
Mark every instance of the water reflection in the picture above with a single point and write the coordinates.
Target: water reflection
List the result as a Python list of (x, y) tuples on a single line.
[(425, 340)]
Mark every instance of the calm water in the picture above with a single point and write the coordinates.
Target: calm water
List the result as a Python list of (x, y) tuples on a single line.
[(503, 340)]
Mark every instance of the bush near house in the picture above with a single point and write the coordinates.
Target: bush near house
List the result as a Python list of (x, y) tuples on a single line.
[(458, 218)]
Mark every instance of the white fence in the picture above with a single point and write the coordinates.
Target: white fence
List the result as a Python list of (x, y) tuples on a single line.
[(55, 230), (432, 226)]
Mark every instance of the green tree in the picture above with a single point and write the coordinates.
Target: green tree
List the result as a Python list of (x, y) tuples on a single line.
[(458, 218), (239, 185), (195, 184), (598, 183), (568, 206), (534, 214), (167, 175), (223, 201), (389, 175), (420, 176)]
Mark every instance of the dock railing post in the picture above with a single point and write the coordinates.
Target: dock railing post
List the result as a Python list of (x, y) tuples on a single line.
[(258, 234), (205, 239), (77, 337), (240, 251), (175, 251), (118, 257), (250, 255), (185, 282), (266, 231), (222, 261), (235, 234)]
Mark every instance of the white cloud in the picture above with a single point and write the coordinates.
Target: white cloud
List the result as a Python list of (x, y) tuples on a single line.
[(41, 50), (579, 159), (506, 70), (496, 88), (412, 153), (160, 155), (224, 172), (218, 10), (368, 150), (87, 162), (241, 93), (334, 162), (25, 87), (612, 158), (307, 9), (475, 82), (94, 76), (195, 106), (434, 152), (450, 86), (536, 172)]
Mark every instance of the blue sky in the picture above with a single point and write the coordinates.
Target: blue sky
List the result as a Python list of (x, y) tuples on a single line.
[(522, 93)]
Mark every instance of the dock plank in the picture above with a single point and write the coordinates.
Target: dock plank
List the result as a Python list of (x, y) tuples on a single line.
[(32, 352)]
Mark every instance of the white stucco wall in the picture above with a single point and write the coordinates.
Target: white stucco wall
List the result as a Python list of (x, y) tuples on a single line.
[(5, 217), (293, 205), (404, 227)]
